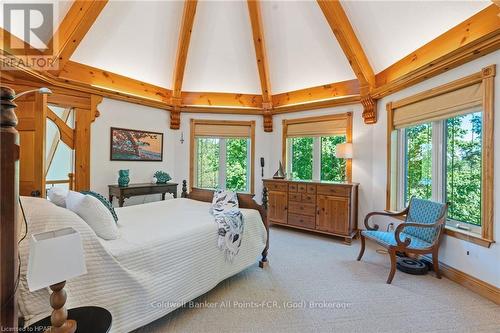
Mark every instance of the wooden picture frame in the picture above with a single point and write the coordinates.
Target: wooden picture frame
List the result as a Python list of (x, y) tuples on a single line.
[(149, 138)]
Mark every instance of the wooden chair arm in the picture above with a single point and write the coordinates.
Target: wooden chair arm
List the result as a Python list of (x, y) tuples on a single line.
[(403, 225), (390, 214)]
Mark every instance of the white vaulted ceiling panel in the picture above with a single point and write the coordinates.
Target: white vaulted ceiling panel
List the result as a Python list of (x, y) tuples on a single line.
[(221, 56), (301, 47), (390, 30), (137, 39)]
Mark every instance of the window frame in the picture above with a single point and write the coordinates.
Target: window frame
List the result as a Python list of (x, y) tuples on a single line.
[(250, 151), (393, 200), (286, 150)]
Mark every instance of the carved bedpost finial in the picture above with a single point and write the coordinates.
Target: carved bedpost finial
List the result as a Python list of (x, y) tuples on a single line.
[(8, 117), (184, 189), (369, 109), (264, 197)]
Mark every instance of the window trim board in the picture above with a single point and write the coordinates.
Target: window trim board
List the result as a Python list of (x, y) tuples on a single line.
[(192, 146), (285, 152)]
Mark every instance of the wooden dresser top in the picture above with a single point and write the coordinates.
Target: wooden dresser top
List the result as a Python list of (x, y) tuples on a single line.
[(316, 182)]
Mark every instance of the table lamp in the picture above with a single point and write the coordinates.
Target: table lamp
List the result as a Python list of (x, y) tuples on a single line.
[(343, 150), (55, 257)]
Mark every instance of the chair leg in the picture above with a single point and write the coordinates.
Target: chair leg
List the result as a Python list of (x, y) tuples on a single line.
[(392, 254), (362, 249), (435, 263)]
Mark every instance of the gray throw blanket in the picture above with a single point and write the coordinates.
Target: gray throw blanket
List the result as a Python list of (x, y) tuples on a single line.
[(225, 209)]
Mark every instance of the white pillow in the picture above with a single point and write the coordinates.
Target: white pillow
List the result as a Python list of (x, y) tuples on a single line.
[(93, 211), (57, 195)]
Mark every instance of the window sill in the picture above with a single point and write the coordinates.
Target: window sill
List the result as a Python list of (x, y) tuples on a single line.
[(468, 236), (457, 233)]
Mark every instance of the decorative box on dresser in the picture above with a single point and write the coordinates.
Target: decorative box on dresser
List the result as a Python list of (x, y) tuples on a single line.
[(323, 207)]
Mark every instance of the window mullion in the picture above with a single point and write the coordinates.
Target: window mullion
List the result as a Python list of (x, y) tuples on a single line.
[(316, 167), (437, 161), (222, 163)]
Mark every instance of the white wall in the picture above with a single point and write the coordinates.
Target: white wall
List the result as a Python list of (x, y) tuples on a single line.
[(122, 114), (369, 163), (483, 263)]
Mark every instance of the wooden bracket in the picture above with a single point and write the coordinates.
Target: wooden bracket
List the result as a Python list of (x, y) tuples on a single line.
[(175, 113), (369, 109), (268, 116), (95, 100)]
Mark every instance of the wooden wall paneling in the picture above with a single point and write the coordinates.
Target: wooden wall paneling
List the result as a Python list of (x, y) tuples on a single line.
[(187, 21), (31, 112), (341, 27), (262, 63), (471, 39), (74, 27), (83, 120)]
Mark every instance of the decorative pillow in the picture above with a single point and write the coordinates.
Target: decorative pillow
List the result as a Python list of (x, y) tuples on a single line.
[(223, 200), (93, 211), (57, 195), (104, 201)]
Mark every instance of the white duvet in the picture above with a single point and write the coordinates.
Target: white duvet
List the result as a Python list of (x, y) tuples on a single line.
[(166, 255)]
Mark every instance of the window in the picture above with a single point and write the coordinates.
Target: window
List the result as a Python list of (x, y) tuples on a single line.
[(309, 147), (222, 155), (438, 150)]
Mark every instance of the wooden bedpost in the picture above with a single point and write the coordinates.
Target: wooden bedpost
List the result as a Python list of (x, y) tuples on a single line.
[(263, 262), (184, 192), (9, 194)]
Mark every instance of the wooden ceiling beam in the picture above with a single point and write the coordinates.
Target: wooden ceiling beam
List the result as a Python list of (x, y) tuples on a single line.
[(98, 78), (262, 63), (314, 94), (216, 99), (313, 105), (471, 39), (343, 31), (187, 22), (73, 28)]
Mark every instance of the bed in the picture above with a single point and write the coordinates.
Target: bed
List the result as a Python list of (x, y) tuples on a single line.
[(167, 255)]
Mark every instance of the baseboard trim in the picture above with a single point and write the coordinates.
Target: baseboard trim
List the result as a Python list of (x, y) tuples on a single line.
[(468, 281)]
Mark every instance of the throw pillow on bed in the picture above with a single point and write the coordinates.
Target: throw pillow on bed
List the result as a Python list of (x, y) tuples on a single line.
[(104, 201), (57, 195), (94, 213)]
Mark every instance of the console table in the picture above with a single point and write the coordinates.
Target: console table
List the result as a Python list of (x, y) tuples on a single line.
[(133, 190)]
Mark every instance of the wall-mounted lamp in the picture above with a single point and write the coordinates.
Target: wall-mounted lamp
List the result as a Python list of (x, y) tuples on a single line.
[(182, 137), (43, 91)]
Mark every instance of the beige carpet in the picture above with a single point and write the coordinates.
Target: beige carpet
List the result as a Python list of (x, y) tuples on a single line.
[(314, 284)]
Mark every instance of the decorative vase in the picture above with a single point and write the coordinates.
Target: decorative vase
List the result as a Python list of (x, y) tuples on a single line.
[(162, 177), (123, 178)]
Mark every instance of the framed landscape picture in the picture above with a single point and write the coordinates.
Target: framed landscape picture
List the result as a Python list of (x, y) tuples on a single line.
[(135, 145)]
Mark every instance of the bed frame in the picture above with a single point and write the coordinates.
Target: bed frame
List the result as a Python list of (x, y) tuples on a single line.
[(245, 200)]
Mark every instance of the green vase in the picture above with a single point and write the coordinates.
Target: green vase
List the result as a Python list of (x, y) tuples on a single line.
[(123, 178)]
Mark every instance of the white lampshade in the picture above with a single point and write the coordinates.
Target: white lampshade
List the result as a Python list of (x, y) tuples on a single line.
[(343, 150), (55, 256)]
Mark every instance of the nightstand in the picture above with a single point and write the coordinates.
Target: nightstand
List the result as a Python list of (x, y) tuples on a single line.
[(89, 319)]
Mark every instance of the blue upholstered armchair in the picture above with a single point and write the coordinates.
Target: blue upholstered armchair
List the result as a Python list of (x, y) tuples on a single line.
[(421, 233)]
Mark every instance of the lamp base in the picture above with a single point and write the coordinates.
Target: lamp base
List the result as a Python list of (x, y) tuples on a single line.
[(59, 316), (68, 327)]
